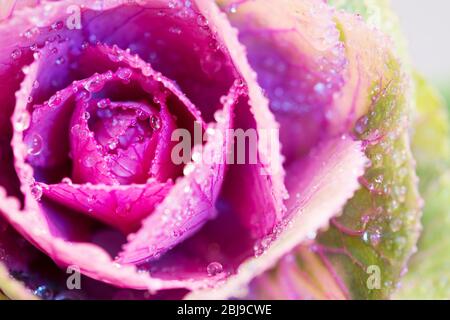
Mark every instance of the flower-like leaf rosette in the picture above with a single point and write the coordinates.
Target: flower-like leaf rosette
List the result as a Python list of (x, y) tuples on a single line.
[(93, 94)]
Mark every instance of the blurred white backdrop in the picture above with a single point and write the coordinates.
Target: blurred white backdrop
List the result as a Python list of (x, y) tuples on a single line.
[(426, 24)]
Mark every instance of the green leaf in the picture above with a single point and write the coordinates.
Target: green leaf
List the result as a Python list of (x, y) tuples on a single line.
[(429, 269), (431, 136), (445, 89), (379, 227)]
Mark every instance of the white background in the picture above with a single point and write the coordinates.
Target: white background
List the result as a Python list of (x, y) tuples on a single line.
[(426, 24)]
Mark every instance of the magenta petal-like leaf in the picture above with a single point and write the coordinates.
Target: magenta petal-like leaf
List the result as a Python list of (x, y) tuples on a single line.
[(295, 49), (68, 113), (120, 206), (324, 182), (264, 121), (191, 202), (65, 241)]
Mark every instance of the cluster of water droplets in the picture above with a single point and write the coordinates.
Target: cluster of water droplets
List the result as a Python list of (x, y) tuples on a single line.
[(262, 245), (388, 179), (212, 55), (36, 190), (34, 143)]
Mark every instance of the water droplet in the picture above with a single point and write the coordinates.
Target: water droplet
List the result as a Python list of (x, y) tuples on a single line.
[(232, 8), (379, 179), (395, 224), (22, 122), (34, 47), (35, 84), (34, 144), (210, 132), (36, 192), (94, 85), (372, 236), (36, 55), (44, 292), (57, 25), (112, 145), (239, 83), (210, 64), (155, 122), (16, 54), (82, 95), (141, 115), (197, 154), (26, 69), (60, 61), (86, 115), (319, 88), (28, 34), (54, 101), (214, 268), (66, 181), (124, 74), (202, 21), (188, 169), (104, 103), (258, 249), (224, 100), (219, 116), (361, 124), (84, 45)]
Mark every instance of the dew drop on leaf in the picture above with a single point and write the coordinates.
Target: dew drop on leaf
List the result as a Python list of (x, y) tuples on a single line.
[(202, 21), (66, 180), (22, 122), (36, 192), (155, 122), (214, 268), (104, 103), (124, 74), (16, 54), (34, 144), (86, 115), (44, 292)]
